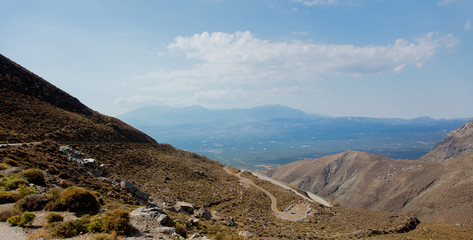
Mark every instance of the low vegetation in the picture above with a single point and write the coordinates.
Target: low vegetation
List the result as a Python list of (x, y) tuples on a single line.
[(53, 217), (33, 175), (21, 220)]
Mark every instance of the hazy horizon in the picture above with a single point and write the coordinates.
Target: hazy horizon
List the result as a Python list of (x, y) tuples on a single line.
[(367, 58)]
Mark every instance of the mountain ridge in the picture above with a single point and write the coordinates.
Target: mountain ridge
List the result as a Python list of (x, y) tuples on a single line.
[(429, 190), (455, 144), (38, 115)]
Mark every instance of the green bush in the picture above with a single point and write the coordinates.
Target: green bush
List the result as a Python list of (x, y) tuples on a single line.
[(25, 191), (9, 197), (33, 175), (22, 220), (74, 199), (14, 220), (70, 228), (114, 221), (12, 183), (26, 218), (53, 217)]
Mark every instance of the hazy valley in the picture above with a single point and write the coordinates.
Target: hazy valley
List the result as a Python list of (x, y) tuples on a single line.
[(276, 135)]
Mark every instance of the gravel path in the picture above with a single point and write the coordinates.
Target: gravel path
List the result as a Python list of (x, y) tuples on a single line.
[(312, 196), (298, 212), (11, 233)]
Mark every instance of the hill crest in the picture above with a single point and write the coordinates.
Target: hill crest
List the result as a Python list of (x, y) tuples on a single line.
[(35, 110)]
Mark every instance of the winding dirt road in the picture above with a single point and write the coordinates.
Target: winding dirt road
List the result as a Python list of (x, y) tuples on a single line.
[(298, 212)]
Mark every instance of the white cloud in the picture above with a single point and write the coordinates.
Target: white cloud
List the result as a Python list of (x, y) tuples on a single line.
[(241, 58), (468, 25), (445, 2), (318, 2), (244, 70)]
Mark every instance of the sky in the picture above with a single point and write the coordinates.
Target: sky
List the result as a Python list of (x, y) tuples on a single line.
[(371, 58)]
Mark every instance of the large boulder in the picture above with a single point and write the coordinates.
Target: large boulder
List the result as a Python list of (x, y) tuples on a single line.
[(130, 187), (149, 219), (184, 207)]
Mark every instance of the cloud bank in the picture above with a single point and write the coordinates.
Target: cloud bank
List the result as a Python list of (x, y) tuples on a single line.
[(241, 58), (234, 66)]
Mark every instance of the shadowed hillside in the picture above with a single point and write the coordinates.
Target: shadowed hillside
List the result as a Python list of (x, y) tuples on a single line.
[(35, 110)]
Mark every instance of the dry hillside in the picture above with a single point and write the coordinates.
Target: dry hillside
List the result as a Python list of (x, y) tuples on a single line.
[(34, 111), (455, 144), (431, 191)]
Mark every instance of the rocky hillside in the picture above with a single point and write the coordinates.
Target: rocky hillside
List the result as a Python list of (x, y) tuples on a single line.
[(32, 109), (456, 143), (187, 195), (432, 191)]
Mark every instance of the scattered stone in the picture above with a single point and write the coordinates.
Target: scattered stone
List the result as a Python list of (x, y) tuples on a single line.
[(166, 230), (194, 221), (10, 171), (184, 207), (165, 220), (245, 234), (203, 213), (196, 236), (128, 186), (141, 195), (90, 163), (228, 221)]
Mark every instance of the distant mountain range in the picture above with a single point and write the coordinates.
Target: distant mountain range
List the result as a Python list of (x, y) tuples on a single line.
[(158, 116), (275, 135)]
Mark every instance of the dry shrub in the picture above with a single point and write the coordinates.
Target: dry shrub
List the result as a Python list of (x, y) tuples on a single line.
[(33, 202), (33, 175), (104, 236), (9, 197), (181, 229), (4, 166), (7, 213), (53, 217), (115, 221), (74, 199), (12, 183), (70, 228)]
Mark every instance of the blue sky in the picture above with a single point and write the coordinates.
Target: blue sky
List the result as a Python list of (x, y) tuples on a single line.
[(370, 58)]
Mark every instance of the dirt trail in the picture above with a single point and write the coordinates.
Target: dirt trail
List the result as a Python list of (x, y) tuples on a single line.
[(297, 212)]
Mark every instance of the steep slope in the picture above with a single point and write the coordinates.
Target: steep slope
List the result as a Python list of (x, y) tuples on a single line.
[(359, 179), (432, 191), (35, 110), (456, 143), (450, 198)]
